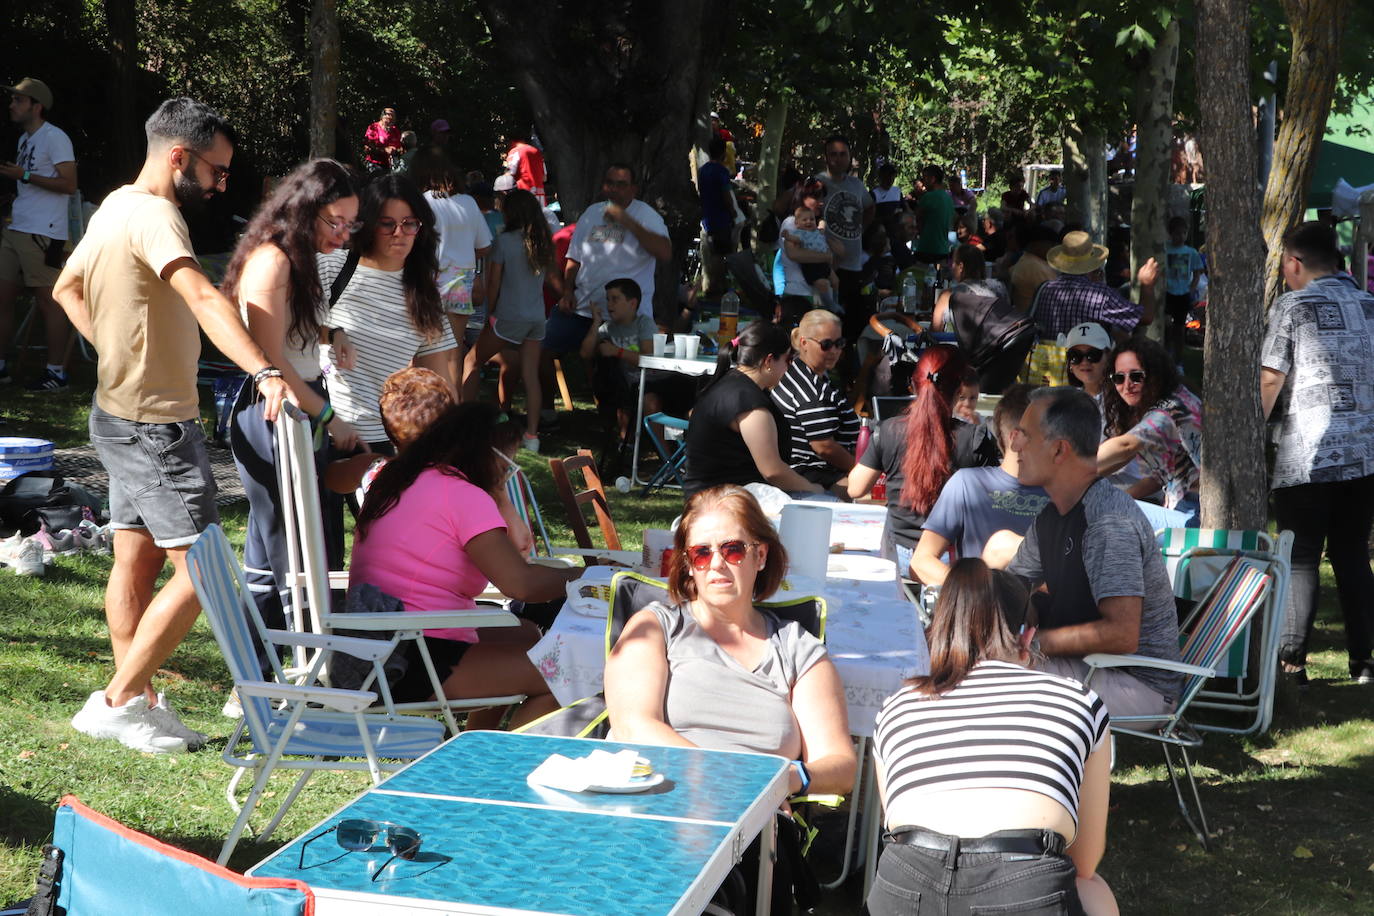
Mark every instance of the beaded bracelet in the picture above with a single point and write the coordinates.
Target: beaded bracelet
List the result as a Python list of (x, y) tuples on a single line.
[(265, 373)]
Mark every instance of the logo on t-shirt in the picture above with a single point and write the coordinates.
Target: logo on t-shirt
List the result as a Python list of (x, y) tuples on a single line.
[(607, 234), (843, 215)]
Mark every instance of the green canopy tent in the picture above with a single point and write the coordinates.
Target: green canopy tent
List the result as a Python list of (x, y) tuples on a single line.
[(1343, 155)]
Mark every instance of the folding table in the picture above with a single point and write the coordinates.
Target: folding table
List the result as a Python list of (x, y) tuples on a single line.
[(702, 365), (493, 844)]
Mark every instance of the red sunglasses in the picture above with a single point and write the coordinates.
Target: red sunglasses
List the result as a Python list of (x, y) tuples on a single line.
[(733, 552)]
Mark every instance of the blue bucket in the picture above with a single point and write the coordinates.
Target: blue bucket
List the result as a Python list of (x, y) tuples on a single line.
[(20, 455)]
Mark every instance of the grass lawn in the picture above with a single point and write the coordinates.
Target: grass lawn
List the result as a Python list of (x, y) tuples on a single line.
[(1290, 810)]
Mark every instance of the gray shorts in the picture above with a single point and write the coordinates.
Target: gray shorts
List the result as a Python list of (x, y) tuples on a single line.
[(160, 477), (1124, 694), (515, 331)]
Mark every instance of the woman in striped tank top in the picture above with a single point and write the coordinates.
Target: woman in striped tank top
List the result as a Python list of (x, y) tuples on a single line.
[(994, 776)]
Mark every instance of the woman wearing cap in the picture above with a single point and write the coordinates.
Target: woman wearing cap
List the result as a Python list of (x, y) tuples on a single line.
[(1086, 348), (1151, 415), (1008, 817)]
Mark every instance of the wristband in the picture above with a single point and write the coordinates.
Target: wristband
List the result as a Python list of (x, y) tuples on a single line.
[(803, 774), (24, 178), (332, 332), (620, 353), (265, 373), (326, 415)]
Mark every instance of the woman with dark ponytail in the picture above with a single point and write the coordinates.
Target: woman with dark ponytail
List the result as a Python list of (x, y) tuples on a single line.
[(737, 429), (918, 451)]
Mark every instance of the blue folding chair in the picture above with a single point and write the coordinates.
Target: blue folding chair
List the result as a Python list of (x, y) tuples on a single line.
[(672, 464)]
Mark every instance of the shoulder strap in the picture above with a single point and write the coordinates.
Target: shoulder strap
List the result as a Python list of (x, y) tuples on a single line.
[(340, 283)]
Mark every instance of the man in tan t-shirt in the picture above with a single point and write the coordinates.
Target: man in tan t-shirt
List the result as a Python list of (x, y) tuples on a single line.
[(133, 288)]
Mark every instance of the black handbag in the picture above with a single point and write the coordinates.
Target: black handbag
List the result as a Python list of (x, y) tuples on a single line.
[(44, 497)]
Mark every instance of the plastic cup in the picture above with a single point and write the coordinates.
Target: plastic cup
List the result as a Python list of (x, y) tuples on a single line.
[(660, 344), (687, 346)]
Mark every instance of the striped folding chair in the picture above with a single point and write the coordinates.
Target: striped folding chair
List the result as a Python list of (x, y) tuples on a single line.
[(300, 726), (1220, 618)]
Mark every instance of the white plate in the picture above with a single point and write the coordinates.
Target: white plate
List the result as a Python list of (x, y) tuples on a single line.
[(590, 607), (635, 784)]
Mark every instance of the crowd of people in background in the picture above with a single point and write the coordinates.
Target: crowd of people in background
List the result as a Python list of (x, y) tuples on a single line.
[(376, 300)]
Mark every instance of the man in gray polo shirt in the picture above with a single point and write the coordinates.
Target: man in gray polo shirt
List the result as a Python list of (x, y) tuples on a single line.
[(1108, 590), (847, 212)]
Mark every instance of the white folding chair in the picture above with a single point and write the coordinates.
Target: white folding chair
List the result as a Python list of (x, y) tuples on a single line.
[(285, 722), (310, 581)]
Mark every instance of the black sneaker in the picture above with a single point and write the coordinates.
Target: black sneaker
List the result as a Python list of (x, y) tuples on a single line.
[(1362, 672), (48, 381)]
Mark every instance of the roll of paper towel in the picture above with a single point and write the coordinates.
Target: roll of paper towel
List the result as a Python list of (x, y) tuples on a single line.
[(805, 533)]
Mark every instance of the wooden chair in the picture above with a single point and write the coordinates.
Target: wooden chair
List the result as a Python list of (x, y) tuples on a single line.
[(594, 494)]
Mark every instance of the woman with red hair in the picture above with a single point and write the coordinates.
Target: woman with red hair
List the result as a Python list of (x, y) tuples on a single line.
[(919, 449)]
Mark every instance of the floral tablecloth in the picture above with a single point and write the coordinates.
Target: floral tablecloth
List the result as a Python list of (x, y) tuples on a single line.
[(874, 639)]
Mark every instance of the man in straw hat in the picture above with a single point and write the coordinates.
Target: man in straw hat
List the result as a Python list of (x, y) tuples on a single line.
[(1080, 293)]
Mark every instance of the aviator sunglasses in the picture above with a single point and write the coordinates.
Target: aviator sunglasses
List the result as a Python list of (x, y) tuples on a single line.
[(1093, 356), (1136, 377), (358, 834), (732, 552)]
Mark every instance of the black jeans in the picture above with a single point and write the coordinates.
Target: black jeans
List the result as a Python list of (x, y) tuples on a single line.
[(918, 882), (1338, 514)]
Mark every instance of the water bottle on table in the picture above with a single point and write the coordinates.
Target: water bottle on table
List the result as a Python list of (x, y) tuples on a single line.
[(729, 317)]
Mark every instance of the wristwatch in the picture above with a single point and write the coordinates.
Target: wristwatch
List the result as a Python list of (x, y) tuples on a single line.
[(804, 774), (24, 178)]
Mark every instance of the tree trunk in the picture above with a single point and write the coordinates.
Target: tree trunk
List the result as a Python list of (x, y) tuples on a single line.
[(1154, 126), (770, 148), (620, 82), (1234, 489), (1079, 199), (324, 77), (1316, 26), (1095, 217), (121, 23)]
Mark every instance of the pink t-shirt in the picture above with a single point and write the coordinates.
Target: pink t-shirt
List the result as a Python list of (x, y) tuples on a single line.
[(416, 551)]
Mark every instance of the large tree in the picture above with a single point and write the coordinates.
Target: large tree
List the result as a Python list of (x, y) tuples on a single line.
[(618, 82), (1233, 479), (1316, 27)]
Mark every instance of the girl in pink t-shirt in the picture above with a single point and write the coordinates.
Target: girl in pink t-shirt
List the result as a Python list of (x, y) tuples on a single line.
[(431, 534)]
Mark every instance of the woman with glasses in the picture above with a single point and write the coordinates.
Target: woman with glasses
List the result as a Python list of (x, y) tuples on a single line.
[(1152, 416), (710, 669), (1086, 348), (272, 277), (432, 535), (737, 430), (388, 303), (918, 451), (1007, 816)]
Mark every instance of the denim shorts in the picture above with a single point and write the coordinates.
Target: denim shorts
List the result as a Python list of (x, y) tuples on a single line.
[(918, 882), (160, 477), (564, 332)]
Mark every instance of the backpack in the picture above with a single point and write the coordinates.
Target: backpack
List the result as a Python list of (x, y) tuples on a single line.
[(43, 497), (993, 333)]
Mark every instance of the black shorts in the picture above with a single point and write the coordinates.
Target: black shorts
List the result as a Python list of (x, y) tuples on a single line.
[(414, 685), (1177, 306), (813, 272)]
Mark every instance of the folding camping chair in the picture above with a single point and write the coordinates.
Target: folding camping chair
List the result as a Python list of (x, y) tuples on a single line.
[(1247, 677), (671, 469), (285, 722), (1213, 628)]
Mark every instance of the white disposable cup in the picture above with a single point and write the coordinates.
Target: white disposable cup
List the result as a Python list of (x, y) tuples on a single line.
[(687, 346), (660, 344)]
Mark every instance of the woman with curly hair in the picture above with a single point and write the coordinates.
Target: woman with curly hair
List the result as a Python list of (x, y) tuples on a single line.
[(273, 278), (918, 451), (389, 304), (1150, 414)]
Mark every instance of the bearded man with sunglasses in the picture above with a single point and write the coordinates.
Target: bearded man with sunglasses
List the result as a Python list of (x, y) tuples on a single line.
[(825, 428), (133, 288)]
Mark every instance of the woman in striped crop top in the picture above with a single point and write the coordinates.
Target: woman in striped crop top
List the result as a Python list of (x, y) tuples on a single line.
[(994, 776)]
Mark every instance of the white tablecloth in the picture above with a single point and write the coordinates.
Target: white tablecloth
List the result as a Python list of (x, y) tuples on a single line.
[(873, 637)]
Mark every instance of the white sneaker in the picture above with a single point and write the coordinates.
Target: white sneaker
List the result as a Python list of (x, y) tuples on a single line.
[(233, 709), (90, 537), (22, 555), (129, 724), (530, 443), (166, 719)]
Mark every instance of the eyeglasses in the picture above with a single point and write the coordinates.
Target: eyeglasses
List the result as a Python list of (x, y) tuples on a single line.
[(357, 835), (1136, 377), (828, 345), (1092, 355), (347, 228), (732, 552), (221, 171), (388, 226)]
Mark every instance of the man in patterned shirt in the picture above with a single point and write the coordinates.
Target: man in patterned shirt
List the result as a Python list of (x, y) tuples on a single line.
[(825, 428), (1080, 293), (1318, 353)]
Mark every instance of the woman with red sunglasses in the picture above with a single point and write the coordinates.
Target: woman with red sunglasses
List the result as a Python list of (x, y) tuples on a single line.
[(712, 670)]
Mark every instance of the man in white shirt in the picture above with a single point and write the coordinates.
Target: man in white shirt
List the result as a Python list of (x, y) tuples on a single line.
[(618, 237), (35, 243)]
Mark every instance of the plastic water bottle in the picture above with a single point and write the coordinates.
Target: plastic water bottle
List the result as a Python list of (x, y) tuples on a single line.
[(729, 317), (910, 292)]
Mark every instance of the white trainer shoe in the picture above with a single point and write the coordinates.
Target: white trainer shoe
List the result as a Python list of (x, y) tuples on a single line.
[(129, 724), (165, 718), (22, 555)]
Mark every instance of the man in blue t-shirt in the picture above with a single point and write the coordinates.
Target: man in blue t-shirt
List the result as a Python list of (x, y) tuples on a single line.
[(978, 502), (717, 214), (1183, 269)]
